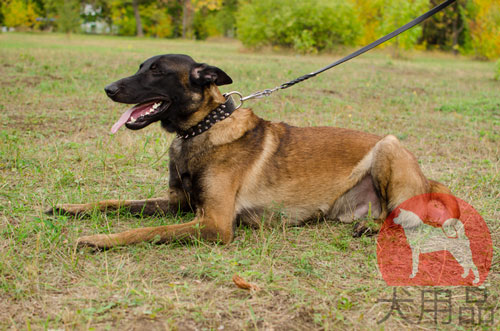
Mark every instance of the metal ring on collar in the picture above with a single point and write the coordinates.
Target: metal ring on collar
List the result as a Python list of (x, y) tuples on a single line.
[(227, 95)]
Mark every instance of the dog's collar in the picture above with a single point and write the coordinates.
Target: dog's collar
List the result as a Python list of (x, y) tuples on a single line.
[(218, 114)]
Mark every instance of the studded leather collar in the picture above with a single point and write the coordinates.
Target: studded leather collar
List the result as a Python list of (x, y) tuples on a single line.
[(218, 114)]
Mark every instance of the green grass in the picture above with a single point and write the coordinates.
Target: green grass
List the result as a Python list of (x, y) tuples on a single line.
[(55, 148)]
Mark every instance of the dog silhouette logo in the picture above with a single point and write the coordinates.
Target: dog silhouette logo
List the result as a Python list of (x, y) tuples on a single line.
[(434, 239)]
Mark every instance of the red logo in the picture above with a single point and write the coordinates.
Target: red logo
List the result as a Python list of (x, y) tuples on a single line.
[(434, 240)]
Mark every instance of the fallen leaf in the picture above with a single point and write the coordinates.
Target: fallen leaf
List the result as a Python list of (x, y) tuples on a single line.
[(241, 283)]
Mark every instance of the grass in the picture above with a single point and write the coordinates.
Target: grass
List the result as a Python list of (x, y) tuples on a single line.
[(55, 148)]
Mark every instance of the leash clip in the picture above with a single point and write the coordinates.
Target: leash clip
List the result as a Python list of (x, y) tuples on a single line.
[(256, 95), (261, 94)]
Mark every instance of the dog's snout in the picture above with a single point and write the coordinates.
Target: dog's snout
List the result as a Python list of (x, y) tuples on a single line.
[(111, 89)]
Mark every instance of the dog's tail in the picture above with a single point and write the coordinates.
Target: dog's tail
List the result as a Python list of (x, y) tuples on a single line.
[(454, 228), (443, 194)]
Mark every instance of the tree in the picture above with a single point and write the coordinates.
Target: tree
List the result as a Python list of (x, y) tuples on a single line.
[(484, 26), (68, 19), (446, 28), (149, 18), (369, 16), (187, 15), (196, 7), (305, 25), (19, 13), (395, 14), (138, 23)]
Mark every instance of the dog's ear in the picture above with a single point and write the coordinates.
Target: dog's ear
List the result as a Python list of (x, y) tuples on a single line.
[(204, 74)]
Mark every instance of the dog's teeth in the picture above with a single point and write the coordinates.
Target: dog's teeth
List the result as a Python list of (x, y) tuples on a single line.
[(132, 120), (156, 105)]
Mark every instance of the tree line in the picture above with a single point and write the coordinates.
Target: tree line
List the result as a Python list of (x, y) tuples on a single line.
[(309, 26)]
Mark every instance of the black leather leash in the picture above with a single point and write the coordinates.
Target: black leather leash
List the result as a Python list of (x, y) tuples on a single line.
[(418, 20)]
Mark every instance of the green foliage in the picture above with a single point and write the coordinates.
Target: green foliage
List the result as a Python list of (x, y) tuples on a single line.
[(155, 18), (68, 16), (123, 17), (205, 25), (156, 21), (19, 14), (369, 13), (398, 13), (447, 29), (306, 26), (216, 22), (484, 26)]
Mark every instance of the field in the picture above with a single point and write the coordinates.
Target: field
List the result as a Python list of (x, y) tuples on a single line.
[(56, 148)]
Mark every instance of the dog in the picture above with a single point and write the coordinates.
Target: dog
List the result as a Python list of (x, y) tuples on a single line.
[(424, 238), (228, 165)]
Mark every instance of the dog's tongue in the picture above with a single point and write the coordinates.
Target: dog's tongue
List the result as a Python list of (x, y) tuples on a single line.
[(123, 119)]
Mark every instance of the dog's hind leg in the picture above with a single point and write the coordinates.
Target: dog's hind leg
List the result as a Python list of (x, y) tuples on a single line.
[(396, 173), (176, 201), (396, 176)]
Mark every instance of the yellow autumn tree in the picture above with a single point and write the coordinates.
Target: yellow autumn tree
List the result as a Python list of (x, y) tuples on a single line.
[(204, 22), (19, 14), (208, 4), (369, 13), (484, 26)]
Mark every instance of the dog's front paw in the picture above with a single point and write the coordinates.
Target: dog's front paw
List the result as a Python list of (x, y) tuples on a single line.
[(66, 209), (99, 241)]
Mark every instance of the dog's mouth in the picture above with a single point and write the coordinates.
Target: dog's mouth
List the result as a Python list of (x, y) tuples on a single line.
[(141, 115)]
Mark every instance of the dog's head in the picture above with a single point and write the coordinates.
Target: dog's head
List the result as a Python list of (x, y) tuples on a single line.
[(168, 88)]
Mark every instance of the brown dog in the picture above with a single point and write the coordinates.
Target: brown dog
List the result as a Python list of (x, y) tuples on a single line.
[(227, 165)]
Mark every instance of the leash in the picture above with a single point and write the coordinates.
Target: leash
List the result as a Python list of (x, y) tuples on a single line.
[(268, 92)]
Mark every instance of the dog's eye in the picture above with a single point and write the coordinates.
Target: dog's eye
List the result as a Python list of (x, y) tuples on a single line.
[(153, 67)]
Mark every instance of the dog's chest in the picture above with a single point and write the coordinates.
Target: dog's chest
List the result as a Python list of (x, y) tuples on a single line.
[(189, 155), (187, 163)]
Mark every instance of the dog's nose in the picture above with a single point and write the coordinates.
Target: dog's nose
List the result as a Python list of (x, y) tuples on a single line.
[(111, 89)]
